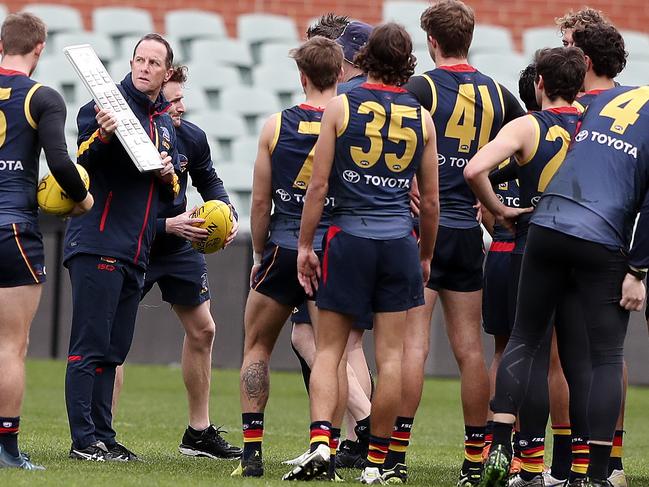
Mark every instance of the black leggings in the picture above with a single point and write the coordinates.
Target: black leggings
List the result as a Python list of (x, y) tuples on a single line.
[(553, 261)]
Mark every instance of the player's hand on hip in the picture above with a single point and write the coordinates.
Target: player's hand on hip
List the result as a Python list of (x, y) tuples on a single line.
[(633, 293), (253, 273), (478, 207), (83, 206), (107, 123), (508, 216), (233, 232), (184, 226), (415, 198), (308, 270)]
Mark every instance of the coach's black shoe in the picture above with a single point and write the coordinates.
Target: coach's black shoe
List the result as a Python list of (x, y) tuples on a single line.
[(95, 452), (252, 467), (209, 443), (119, 453), (349, 455), (21, 461)]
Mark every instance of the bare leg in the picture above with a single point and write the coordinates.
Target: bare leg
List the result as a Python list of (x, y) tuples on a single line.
[(200, 330), (559, 393), (500, 342), (117, 388)]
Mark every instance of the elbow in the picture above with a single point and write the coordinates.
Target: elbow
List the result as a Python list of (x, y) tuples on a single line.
[(470, 174)]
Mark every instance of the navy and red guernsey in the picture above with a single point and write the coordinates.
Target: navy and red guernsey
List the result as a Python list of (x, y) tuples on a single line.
[(554, 129), (122, 222), (584, 99), (602, 184), (195, 161), (378, 151), (509, 195), (468, 110), (296, 132)]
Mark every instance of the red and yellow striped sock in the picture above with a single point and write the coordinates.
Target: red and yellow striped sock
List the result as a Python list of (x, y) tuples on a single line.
[(532, 451), (377, 451), (334, 441), (320, 434), (253, 434), (615, 462), (580, 453), (399, 441), (473, 446)]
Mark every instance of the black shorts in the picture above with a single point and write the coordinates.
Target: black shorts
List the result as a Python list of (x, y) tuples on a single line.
[(361, 273), (499, 293), (277, 276), (181, 277), (22, 258), (300, 316), (457, 260)]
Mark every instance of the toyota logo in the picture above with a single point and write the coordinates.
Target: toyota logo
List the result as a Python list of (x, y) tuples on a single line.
[(351, 176), (500, 198), (535, 200), (581, 135), (441, 159), (284, 196)]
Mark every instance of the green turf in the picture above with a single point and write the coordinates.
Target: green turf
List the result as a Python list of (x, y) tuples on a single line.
[(152, 416)]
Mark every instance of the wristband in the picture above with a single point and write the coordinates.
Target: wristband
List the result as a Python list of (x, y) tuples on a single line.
[(256, 258), (639, 274)]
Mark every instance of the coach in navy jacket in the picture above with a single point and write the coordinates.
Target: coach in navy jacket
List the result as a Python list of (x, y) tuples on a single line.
[(107, 249)]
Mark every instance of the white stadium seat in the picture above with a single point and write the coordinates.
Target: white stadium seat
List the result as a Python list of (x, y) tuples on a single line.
[(194, 24), (101, 43), (260, 27), (122, 21), (538, 38), (490, 39), (58, 18)]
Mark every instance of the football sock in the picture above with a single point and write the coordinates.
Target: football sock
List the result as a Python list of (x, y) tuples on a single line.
[(195, 433), (473, 445), (334, 440), (532, 450), (362, 430), (516, 445), (377, 451), (580, 455), (615, 462), (9, 435), (399, 441), (253, 434), (561, 451), (320, 434), (503, 436), (489, 434), (598, 464)]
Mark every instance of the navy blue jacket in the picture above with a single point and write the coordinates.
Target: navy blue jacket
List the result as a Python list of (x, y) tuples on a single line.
[(195, 160), (122, 221)]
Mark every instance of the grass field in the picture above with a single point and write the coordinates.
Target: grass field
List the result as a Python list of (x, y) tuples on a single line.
[(152, 415)]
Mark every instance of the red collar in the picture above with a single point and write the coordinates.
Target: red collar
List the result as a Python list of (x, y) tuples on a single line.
[(382, 87), (11, 72), (305, 106), (559, 110), (594, 92), (460, 68)]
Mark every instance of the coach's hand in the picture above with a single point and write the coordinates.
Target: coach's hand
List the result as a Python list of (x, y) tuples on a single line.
[(166, 173), (308, 270), (633, 293), (83, 206), (183, 226), (107, 123), (507, 216)]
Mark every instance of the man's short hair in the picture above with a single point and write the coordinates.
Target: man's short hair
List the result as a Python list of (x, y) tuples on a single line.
[(169, 59), (451, 24), (21, 33), (329, 25), (563, 70), (319, 59), (604, 45), (585, 16), (178, 75), (527, 90), (388, 54)]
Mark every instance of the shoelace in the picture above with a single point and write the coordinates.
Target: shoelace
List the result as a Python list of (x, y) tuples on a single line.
[(218, 439)]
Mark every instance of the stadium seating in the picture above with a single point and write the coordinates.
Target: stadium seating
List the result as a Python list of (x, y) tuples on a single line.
[(101, 43), (194, 99), (277, 53), (212, 79), (57, 72), (259, 27), (491, 39), (407, 13), (499, 65), (538, 38), (283, 80), (636, 73), (121, 21), (58, 18), (222, 128), (424, 61), (194, 24), (637, 45), (250, 102), (244, 150)]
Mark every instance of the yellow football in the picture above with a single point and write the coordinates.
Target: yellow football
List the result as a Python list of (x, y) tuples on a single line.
[(52, 199), (218, 223)]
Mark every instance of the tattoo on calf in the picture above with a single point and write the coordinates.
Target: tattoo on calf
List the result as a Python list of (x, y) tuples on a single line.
[(255, 380)]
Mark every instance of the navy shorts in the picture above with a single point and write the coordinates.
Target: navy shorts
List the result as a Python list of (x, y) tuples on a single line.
[(300, 316), (499, 293), (360, 274), (181, 277), (277, 276), (23, 259), (457, 260)]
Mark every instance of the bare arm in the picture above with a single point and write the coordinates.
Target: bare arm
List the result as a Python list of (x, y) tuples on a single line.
[(262, 190), (428, 183), (514, 139), (308, 263)]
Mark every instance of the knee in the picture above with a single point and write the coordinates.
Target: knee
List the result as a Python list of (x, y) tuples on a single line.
[(202, 335), (469, 356)]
